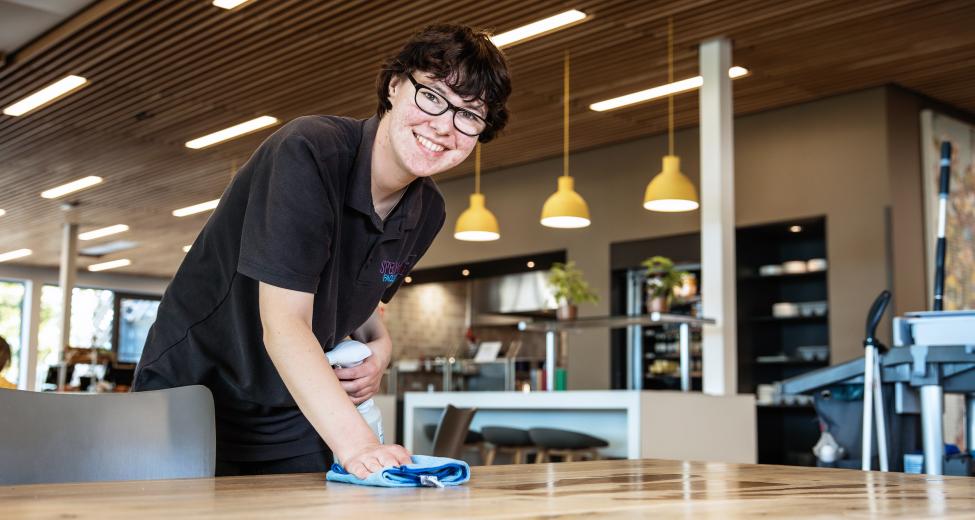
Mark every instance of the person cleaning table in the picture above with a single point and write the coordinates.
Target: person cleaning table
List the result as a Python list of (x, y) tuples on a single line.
[(318, 227)]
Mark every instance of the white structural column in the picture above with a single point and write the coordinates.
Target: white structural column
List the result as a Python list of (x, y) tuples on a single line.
[(28, 343), (720, 357), (69, 255)]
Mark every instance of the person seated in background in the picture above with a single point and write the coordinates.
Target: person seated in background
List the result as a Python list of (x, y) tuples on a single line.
[(4, 361)]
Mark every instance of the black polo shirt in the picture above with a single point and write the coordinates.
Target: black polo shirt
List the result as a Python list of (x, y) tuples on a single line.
[(298, 215)]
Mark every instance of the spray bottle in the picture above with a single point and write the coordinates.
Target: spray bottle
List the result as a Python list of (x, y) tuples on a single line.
[(348, 354)]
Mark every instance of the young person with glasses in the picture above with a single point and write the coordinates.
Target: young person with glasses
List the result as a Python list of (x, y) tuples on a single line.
[(318, 227)]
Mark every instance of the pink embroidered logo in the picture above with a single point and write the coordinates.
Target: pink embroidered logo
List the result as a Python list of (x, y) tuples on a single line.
[(390, 270)]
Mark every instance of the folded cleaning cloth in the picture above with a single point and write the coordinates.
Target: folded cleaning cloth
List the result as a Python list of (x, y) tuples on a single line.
[(425, 471)]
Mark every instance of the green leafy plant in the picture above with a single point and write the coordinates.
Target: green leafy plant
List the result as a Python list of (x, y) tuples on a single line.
[(661, 276), (568, 284)]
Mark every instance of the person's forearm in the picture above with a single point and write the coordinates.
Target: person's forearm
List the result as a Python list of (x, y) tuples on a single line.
[(299, 359)]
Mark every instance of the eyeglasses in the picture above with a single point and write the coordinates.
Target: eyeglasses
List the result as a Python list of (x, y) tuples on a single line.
[(431, 102)]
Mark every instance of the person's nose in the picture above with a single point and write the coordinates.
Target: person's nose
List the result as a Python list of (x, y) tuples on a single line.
[(441, 124)]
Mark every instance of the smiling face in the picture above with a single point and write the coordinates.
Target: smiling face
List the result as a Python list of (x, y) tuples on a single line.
[(421, 144)]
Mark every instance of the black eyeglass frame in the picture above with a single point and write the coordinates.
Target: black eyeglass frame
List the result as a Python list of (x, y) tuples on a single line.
[(450, 106)]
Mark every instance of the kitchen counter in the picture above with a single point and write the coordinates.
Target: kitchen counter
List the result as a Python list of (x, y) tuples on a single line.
[(621, 488), (637, 424)]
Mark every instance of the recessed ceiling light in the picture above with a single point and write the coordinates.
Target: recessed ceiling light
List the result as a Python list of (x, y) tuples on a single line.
[(530, 264), (196, 208), (71, 187), (408, 279), (46, 95), (109, 265), (229, 4), (12, 255), (103, 232), (676, 87), (544, 26), (229, 133), (111, 247), (465, 272), (795, 229), (186, 249)]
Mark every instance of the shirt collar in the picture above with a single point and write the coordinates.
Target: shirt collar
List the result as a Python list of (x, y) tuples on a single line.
[(359, 197)]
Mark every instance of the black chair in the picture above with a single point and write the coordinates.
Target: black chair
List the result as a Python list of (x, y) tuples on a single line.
[(51, 438), (503, 439), (567, 444)]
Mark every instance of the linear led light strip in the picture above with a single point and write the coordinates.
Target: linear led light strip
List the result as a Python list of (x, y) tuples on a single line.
[(197, 208), (229, 4), (13, 255), (658, 92), (525, 32), (71, 187), (46, 95), (103, 232), (229, 133), (110, 265)]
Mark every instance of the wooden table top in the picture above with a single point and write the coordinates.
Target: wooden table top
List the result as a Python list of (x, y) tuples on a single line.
[(624, 488)]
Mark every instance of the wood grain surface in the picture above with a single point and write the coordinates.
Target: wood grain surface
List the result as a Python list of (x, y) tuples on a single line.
[(616, 489)]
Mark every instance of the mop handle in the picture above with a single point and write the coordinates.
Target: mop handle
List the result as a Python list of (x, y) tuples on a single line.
[(939, 256)]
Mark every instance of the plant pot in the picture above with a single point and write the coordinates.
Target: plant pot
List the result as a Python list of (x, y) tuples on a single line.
[(659, 304), (566, 311)]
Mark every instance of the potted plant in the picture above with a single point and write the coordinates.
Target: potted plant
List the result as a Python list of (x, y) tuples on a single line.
[(662, 278), (570, 289)]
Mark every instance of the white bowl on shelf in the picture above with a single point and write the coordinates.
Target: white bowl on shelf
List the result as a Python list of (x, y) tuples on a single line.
[(794, 267), (785, 310), (814, 265)]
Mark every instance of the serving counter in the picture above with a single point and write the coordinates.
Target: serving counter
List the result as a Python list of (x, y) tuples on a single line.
[(637, 424)]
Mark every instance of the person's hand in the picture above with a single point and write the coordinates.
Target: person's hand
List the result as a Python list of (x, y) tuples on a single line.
[(362, 382), (375, 457)]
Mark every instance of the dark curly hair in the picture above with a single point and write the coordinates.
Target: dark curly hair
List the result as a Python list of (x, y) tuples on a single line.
[(464, 59)]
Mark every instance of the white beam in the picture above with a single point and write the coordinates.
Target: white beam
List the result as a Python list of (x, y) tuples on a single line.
[(720, 356), (31, 323)]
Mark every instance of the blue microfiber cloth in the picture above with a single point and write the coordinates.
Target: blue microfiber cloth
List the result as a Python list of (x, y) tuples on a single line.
[(425, 471)]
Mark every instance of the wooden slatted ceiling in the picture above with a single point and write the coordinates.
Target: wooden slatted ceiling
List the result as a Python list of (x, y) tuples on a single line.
[(165, 71)]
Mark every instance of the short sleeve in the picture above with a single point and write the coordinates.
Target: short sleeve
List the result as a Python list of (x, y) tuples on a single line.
[(289, 220)]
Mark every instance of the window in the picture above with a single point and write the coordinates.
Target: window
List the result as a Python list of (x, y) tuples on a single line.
[(92, 312), (136, 315), (11, 325)]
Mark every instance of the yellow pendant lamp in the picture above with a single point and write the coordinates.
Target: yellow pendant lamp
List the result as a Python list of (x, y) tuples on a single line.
[(565, 208), (477, 223), (670, 190)]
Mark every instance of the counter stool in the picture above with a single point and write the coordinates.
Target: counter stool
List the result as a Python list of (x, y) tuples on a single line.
[(568, 444), (503, 439)]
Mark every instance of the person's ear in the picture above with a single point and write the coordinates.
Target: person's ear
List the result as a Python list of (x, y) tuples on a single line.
[(395, 83)]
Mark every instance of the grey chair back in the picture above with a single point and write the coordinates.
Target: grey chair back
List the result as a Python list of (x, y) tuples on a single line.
[(448, 441), (163, 434)]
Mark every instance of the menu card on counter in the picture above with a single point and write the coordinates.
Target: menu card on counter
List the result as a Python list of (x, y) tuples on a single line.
[(487, 351)]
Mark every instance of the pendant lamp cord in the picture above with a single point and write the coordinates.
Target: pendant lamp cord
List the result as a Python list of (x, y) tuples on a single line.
[(565, 117), (477, 168), (670, 80)]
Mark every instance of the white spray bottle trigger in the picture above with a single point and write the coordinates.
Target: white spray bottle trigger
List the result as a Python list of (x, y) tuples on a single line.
[(348, 354)]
